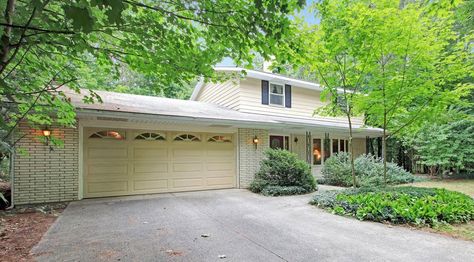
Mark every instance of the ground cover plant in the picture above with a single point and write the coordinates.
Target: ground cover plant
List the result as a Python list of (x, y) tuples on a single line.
[(282, 173), (399, 205), (369, 171)]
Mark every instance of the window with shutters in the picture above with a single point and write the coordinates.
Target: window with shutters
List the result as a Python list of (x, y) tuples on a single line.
[(277, 94)]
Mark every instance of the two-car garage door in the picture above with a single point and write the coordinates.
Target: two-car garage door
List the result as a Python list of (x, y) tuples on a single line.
[(128, 162)]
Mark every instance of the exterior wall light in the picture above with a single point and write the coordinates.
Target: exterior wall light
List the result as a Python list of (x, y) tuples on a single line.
[(255, 141), (296, 140), (47, 135), (46, 132)]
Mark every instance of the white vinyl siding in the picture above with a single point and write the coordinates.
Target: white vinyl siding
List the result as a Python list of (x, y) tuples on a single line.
[(224, 94), (246, 96), (304, 102)]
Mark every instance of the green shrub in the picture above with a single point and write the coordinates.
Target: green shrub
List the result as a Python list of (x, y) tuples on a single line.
[(283, 190), (321, 181), (399, 204), (281, 169), (369, 171)]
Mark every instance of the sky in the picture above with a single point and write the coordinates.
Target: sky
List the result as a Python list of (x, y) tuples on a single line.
[(305, 13)]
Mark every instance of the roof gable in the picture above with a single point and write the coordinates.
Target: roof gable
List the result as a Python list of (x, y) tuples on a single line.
[(262, 76)]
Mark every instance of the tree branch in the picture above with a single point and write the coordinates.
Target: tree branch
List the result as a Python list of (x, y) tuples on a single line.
[(17, 48), (161, 10), (51, 31)]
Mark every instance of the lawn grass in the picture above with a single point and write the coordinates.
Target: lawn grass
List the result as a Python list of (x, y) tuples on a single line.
[(465, 186), (462, 231)]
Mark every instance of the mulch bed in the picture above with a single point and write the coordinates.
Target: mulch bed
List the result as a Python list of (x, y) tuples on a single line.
[(21, 229)]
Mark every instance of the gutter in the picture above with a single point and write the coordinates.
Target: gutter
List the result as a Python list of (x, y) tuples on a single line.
[(197, 89), (248, 123)]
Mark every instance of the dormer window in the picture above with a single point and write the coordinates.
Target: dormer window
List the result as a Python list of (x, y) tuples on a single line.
[(277, 94)]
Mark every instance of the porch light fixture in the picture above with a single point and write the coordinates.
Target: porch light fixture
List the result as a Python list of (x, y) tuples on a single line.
[(46, 132), (296, 140), (255, 141)]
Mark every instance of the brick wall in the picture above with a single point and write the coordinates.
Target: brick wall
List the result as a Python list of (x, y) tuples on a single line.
[(249, 155), (42, 176)]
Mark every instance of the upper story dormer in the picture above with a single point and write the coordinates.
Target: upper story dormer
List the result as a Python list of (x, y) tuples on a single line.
[(266, 94)]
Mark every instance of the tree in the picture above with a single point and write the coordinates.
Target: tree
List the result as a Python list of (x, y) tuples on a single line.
[(339, 51), (47, 44), (126, 80), (398, 63), (419, 68), (446, 146)]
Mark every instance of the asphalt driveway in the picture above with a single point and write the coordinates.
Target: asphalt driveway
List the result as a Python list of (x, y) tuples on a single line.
[(239, 225)]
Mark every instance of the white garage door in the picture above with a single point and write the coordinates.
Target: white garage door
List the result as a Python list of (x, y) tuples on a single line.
[(128, 162)]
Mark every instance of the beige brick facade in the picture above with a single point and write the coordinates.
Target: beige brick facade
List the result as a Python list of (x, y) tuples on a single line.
[(42, 175), (249, 154)]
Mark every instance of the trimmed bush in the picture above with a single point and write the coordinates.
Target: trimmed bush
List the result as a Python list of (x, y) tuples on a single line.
[(369, 171), (422, 206), (282, 173), (283, 190)]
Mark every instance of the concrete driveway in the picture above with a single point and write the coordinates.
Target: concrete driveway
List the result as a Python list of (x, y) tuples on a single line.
[(240, 225)]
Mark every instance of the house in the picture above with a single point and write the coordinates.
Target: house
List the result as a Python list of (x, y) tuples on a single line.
[(132, 144)]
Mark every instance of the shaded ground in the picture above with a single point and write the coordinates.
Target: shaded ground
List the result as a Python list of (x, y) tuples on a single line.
[(22, 228), (237, 224), (465, 186), (20, 232)]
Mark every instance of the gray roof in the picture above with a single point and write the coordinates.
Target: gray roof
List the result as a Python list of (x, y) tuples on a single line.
[(176, 108), (152, 105)]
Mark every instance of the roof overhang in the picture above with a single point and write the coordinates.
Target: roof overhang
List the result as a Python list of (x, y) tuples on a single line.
[(293, 126)]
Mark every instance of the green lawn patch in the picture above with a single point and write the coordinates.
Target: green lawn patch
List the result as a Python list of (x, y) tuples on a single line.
[(465, 186), (399, 205)]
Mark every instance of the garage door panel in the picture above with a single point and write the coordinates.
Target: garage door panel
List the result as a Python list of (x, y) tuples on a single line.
[(128, 166), (151, 153), (221, 181), (107, 186), (188, 182), (141, 185), (190, 152), (187, 167), (221, 152), (108, 152), (220, 166), (107, 170), (150, 167)]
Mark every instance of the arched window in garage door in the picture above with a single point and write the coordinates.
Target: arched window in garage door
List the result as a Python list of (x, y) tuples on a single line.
[(220, 139), (108, 134), (151, 136), (187, 137)]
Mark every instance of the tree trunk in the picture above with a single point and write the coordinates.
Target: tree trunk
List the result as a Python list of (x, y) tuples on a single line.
[(384, 155), (351, 149), (5, 39)]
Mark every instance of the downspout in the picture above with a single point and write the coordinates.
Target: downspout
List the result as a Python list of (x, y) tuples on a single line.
[(12, 174)]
